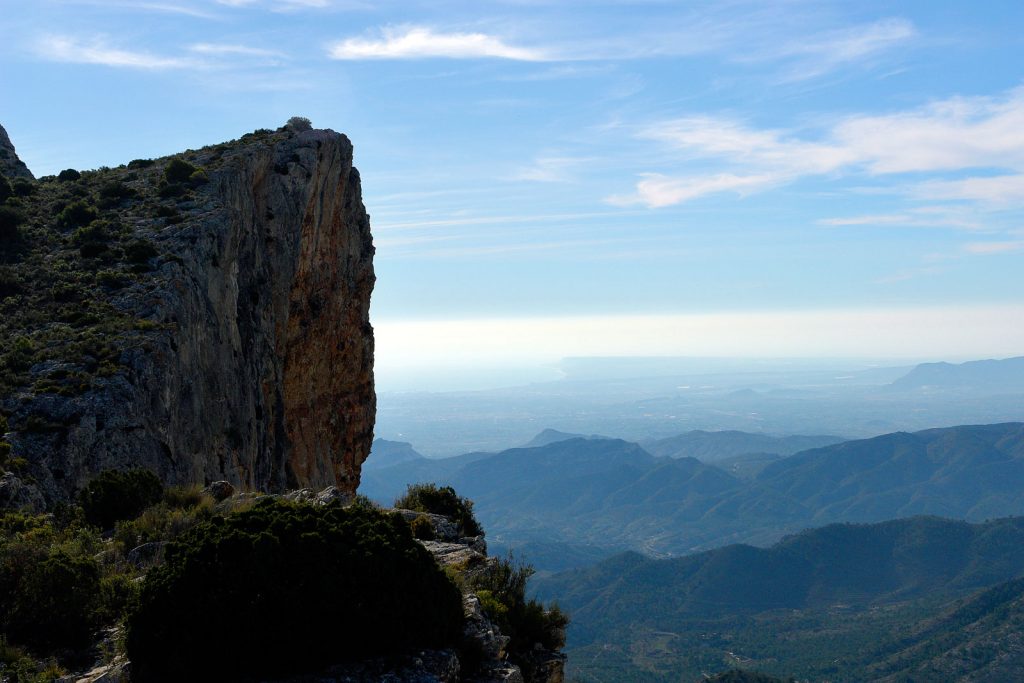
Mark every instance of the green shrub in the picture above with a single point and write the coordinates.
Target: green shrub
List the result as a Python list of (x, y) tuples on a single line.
[(441, 501), (68, 175), (140, 163), (186, 497), (140, 252), (198, 177), (118, 495), (23, 187), (55, 603), (502, 594), (172, 191), (76, 214), (178, 171), (111, 278), (286, 587), (10, 224), (422, 528), (6, 190)]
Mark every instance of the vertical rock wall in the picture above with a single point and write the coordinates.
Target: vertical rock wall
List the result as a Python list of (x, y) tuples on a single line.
[(260, 370)]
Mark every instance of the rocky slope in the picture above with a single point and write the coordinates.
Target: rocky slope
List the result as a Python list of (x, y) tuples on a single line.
[(247, 354), (10, 165)]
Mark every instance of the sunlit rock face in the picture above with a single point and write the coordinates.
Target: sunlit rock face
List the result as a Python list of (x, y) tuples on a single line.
[(257, 361)]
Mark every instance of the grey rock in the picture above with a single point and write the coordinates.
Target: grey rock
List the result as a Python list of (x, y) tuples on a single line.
[(300, 496), (444, 528), (118, 671), (482, 630), (259, 368), (449, 554), (17, 495), (332, 494), (10, 165), (220, 490)]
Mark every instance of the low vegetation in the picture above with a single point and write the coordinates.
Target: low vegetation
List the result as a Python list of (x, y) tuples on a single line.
[(501, 589), (441, 500), (311, 585)]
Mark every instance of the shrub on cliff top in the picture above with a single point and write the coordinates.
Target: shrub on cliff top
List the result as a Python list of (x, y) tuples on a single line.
[(178, 171), (114, 496), (441, 501), (284, 587)]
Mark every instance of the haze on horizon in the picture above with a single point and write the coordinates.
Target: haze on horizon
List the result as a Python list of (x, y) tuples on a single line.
[(624, 178)]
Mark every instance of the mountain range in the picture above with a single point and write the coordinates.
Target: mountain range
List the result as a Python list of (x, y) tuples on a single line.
[(922, 597), (615, 494)]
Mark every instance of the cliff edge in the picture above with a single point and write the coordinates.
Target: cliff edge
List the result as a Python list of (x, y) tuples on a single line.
[(226, 333)]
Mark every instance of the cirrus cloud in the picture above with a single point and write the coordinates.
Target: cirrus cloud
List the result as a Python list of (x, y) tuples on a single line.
[(419, 42)]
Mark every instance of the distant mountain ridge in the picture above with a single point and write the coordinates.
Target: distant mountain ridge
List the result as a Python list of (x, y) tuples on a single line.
[(982, 375), (384, 453), (711, 447), (615, 494), (895, 587)]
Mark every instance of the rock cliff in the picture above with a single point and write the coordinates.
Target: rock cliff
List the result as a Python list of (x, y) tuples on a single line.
[(248, 353), (10, 165)]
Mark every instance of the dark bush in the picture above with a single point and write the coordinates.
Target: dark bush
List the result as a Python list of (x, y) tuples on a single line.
[(140, 163), (139, 252), (178, 171), (441, 501), (55, 602), (287, 587), (93, 239), (299, 124), (6, 190), (68, 175), (172, 191), (10, 224), (23, 187), (118, 495), (502, 593), (422, 528), (76, 214), (113, 193)]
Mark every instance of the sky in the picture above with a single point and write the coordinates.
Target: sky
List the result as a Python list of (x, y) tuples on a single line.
[(550, 179)]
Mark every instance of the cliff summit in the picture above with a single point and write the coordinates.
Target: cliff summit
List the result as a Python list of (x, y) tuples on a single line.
[(204, 316)]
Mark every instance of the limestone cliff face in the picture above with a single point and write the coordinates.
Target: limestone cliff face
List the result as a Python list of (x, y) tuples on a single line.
[(10, 165), (257, 363)]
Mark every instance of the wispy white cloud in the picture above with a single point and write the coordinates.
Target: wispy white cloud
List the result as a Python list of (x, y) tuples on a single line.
[(834, 49), (937, 216), (953, 135), (551, 170), (418, 42), (97, 51), (989, 248), (233, 49), (656, 191), (998, 190)]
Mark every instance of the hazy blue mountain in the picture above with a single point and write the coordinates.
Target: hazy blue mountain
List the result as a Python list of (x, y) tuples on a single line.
[(714, 446), (611, 493), (384, 453), (387, 483), (835, 602), (747, 466), (552, 435), (976, 639), (971, 472), (994, 376), (835, 564)]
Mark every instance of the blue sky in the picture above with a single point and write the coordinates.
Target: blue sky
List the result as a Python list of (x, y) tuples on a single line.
[(557, 178)]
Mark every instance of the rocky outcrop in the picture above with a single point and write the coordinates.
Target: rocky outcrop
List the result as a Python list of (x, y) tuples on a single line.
[(10, 165), (255, 364)]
